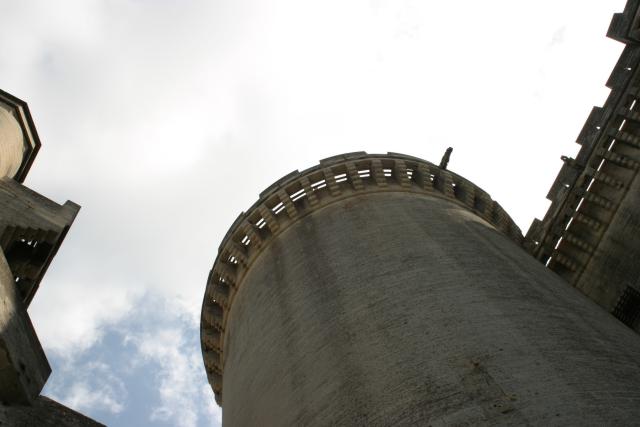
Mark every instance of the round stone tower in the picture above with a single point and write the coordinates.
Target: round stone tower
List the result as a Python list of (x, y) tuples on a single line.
[(384, 290)]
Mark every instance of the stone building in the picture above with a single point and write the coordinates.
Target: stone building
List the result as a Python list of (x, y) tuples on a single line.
[(385, 290), (589, 234), (32, 228)]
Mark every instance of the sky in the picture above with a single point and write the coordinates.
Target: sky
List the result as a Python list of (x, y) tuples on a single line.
[(164, 119)]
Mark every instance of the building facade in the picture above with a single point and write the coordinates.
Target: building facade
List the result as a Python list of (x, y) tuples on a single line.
[(588, 234)]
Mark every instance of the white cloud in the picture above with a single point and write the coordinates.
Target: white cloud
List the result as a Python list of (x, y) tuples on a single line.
[(157, 346), (179, 367), (70, 317), (165, 119), (179, 374), (85, 393), (83, 397)]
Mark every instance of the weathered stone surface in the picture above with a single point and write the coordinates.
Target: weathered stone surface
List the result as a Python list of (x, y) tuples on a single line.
[(406, 309), (23, 366), (43, 413)]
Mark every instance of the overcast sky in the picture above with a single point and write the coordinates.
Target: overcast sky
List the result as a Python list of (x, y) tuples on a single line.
[(164, 119)]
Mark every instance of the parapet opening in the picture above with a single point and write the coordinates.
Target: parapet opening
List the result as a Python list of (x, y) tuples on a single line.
[(364, 173), (340, 178), (214, 357), (212, 315), (318, 185), (438, 182), (278, 208), (216, 309), (479, 204), (298, 195), (410, 174), (295, 191), (223, 288), (211, 339), (27, 252)]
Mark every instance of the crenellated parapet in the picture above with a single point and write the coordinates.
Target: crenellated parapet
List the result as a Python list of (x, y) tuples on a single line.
[(588, 235), (299, 194)]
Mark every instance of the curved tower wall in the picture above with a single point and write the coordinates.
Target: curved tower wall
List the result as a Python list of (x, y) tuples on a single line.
[(389, 303)]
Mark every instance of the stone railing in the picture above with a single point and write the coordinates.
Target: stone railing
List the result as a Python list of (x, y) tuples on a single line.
[(300, 193)]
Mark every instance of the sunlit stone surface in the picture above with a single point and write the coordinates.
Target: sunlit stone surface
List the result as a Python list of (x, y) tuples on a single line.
[(11, 144)]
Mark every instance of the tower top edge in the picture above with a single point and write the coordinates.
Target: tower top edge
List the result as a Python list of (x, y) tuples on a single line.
[(298, 194)]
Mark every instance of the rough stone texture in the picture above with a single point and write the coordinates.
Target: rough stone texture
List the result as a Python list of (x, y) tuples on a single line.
[(43, 413), (396, 309), (23, 366)]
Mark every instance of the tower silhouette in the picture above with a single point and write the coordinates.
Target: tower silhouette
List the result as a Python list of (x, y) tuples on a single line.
[(32, 229), (385, 290)]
